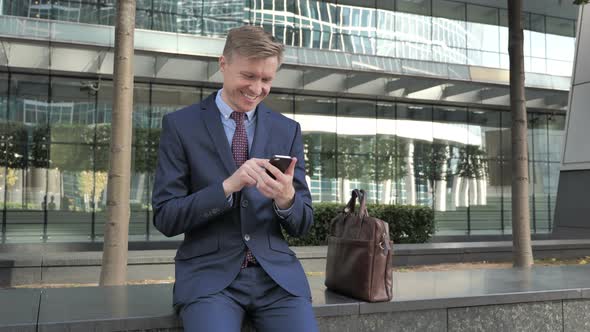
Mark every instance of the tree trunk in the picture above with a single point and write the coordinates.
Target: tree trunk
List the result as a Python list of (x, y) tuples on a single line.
[(472, 191), (386, 192), (410, 179), (521, 230), (464, 192), (455, 192), (482, 191), (344, 190), (114, 257)]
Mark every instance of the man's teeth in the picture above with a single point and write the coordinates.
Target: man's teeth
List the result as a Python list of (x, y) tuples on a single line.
[(248, 96)]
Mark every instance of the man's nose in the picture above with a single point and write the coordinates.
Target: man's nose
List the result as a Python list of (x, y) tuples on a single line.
[(256, 88)]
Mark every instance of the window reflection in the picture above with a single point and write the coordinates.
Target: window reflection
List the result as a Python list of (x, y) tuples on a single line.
[(414, 126), (356, 126), (389, 171), (450, 31), (482, 167), (455, 160), (317, 116)]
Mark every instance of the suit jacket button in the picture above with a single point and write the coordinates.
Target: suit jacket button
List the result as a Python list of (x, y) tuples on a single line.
[(247, 237), (245, 203)]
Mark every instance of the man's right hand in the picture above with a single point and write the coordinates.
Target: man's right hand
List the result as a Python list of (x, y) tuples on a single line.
[(245, 176)]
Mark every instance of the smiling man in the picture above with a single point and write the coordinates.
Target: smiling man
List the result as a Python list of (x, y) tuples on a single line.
[(212, 186)]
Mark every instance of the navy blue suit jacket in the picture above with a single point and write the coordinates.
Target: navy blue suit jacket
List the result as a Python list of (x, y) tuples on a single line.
[(194, 159)]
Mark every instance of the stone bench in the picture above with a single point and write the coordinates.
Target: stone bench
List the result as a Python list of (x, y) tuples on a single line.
[(538, 299)]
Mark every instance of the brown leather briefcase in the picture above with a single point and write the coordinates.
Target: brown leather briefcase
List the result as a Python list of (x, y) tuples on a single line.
[(359, 254)]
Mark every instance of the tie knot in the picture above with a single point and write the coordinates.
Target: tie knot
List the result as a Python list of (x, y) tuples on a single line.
[(238, 117)]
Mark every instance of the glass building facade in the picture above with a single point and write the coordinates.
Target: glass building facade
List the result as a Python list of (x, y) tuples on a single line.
[(452, 156)]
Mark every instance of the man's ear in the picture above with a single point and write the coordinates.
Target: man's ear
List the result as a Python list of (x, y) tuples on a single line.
[(222, 62)]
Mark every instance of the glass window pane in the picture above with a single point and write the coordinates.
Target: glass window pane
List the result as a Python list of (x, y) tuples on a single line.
[(138, 197), (484, 59), (421, 7), (561, 48), (481, 14), (357, 128), (416, 51), (108, 12), (141, 113), (555, 132), (143, 19), (169, 98), (317, 116), (72, 191), (386, 5), (559, 68), (450, 134), (187, 7), (26, 198), (483, 37), (414, 126), (8, 153), (386, 24), (72, 115), (503, 17), (537, 137), (539, 173), (449, 54), (560, 26), (481, 165), (538, 65), (538, 45), (449, 9), (537, 23), (355, 44), (281, 103), (388, 170), (412, 27), (449, 33)]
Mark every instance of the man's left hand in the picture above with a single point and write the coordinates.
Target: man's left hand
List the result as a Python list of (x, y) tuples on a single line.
[(281, 188)]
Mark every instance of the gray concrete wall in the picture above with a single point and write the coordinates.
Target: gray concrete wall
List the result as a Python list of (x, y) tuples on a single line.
[(572, 208)]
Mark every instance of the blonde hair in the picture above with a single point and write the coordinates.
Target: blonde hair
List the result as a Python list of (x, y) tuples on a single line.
[(252, 42)]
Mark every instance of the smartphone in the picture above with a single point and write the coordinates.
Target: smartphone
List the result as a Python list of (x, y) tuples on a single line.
[(280, 162)]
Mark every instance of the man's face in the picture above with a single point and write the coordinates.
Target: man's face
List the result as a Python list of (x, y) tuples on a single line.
[(246, 82)]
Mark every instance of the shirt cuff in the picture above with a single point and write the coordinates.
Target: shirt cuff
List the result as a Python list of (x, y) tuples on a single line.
[(283, 214), (230, 199)]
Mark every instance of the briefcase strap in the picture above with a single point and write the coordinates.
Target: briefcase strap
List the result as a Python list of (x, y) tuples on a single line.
[(360, 193)]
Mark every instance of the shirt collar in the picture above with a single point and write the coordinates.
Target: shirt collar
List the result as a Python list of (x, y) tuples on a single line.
[(226, 111)]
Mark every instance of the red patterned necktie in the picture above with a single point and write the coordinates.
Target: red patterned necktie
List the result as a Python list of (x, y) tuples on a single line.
[(239, 149)]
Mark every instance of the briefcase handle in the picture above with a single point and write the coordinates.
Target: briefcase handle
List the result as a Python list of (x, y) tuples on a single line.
[(360, 193)]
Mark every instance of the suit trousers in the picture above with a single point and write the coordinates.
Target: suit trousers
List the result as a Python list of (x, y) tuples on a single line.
[(252, 293)]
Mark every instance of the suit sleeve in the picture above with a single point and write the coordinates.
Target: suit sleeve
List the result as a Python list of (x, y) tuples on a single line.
[(300, 220), (176, 209)]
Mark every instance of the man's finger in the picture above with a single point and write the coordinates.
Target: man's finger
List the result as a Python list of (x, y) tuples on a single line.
[(273, 170), (291, 169)]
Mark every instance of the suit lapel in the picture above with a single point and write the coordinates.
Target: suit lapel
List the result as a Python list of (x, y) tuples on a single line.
[(212, 118), (262, 133)]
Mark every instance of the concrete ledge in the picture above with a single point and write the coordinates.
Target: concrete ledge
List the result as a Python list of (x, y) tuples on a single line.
[(19, 310), (403, 253), (544, 299)]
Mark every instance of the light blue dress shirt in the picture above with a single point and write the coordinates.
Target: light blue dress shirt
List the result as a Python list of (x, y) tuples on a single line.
[(229, 126)]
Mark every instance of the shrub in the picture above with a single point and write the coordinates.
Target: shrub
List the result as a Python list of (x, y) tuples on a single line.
[(407, 223)]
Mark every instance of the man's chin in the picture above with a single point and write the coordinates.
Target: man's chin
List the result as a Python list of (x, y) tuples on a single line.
[(248, 107)]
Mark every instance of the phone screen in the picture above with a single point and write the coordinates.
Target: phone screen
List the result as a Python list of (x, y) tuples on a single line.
[(280, 162)]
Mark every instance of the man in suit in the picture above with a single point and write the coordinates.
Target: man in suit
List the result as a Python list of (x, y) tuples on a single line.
[(211, 184)]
